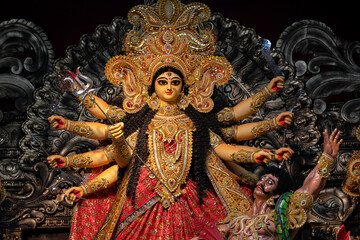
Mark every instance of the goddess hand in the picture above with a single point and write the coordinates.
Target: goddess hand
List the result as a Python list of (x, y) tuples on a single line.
[(276, 84), (57, 161), (283, 154), (58, 122), (284, 119), (116, 130), (263, 156), (74, 193), (332, 144)]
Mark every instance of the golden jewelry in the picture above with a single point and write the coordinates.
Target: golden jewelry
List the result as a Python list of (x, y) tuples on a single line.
[(115, 113), (229, 132), (109, 152), (245, 156), (215, 140), (170, 39), (183, 101), (170, 147), (78, 160), (81, 128), (325, 162), (94, 185), (226, 115), (259, 99), (264, 127), (86, 101), (351, 184), (169, 110), (300, 205), (154, 102)]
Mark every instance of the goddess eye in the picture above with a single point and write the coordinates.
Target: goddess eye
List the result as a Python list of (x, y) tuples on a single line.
[(162, 82), (270, 182), (175, 83)]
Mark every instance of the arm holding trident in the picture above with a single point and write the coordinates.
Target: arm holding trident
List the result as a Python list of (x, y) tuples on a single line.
[(117, 151)]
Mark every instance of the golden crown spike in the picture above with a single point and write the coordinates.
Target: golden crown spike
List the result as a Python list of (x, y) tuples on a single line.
[(169, 36)]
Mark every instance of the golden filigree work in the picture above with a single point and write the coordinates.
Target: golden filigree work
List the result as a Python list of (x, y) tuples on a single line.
[(226, 115), (244, 156), (78, 160), (169, 40), (300, 205), (351, 184), (115, 113), (245, 226), (264, 127), (259, 99), (215, 140), (80, 128), (94, 185), (170, 146), (229, 132), (325, 162)]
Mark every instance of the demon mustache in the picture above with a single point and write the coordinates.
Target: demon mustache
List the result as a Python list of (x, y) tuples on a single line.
[(263, 189)]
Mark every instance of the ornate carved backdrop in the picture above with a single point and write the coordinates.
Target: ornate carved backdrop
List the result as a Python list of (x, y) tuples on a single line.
[(313, 59)]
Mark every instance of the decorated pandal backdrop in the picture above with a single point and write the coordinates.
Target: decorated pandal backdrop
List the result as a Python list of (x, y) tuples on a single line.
[(317, 64)]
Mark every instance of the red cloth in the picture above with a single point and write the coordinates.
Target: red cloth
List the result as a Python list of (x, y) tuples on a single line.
[(90, 213), (155, 223)]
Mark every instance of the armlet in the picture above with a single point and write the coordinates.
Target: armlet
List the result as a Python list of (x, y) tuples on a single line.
[(226, 115), (115, 113), (215, 140)]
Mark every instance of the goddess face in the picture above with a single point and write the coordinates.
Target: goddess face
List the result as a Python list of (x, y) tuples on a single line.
[(266, 186), (168, 87)]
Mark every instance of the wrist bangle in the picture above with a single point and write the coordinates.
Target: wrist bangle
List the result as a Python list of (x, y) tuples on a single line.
[(325, 162), (78, 160), (94, 185), (226, 115), (259, 99), (245, 156)]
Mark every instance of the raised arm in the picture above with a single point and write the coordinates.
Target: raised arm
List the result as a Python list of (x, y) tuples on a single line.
[(255, 129), (81, 86), (316, 179), (104, 180), (90, 130), (252, 104), (92, 159)]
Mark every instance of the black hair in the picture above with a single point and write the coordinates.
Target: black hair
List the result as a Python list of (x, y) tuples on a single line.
[(284, 183)]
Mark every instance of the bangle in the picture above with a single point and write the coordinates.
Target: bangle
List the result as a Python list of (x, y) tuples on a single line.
[(81, 129), (259, 99), (78, 160), (245, 156), (226, 115), (229, 132), (94, 185), (324, 163), (264, 127)]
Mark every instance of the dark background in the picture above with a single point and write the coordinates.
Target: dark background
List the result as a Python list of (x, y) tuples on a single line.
[(66, 21)]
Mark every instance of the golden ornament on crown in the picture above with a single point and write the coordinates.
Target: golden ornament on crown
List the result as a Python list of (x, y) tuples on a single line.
[(169, 35)]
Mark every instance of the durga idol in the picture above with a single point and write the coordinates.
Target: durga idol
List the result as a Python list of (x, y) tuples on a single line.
[(169, 157)]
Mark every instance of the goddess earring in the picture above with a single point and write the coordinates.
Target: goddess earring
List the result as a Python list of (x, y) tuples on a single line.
[(183, 101), (154, 102)]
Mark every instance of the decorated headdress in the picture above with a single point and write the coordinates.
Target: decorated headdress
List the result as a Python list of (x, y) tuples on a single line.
[(169, 36)]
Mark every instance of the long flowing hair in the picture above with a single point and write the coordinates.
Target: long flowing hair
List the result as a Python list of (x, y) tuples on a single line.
[(201, 140)]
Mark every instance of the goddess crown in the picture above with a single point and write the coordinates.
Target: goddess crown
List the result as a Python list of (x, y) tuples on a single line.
[(169, 35)]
